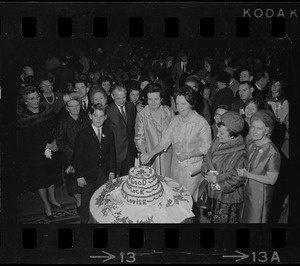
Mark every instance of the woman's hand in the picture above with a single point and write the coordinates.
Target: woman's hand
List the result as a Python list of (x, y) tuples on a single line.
[(242, 172), (81, 182), (211, 177), (145, 158), (111, 176)]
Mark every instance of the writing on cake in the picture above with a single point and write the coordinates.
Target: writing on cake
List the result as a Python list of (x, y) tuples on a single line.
[(142, 186)]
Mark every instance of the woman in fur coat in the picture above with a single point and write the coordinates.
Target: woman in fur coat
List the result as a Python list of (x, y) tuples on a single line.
[(39, 152), (222, 183)]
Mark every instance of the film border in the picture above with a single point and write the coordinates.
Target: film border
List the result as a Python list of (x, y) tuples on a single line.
[(188, 13)]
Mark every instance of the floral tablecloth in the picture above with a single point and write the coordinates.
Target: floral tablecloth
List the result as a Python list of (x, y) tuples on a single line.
[(107, 205)]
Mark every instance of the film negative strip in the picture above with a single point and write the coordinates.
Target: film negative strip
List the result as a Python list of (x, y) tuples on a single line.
[(105, 39)]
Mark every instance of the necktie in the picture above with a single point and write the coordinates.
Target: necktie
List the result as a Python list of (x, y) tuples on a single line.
[(183, 67), (98, 135), (123, 113), (84, 105)]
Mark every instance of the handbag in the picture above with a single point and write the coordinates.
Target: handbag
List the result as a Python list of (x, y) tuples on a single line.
[(195, 167), (203, 200)]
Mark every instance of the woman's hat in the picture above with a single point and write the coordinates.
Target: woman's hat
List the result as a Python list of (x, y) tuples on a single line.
[(233, 121)]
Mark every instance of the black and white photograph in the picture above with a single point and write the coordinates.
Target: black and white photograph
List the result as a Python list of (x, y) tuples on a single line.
[(140, 113)]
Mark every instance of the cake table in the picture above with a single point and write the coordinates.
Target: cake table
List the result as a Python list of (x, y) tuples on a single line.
[(107, 205)]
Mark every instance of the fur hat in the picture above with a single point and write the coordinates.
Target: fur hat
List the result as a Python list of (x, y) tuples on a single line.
[(224, 77), (233, 121)]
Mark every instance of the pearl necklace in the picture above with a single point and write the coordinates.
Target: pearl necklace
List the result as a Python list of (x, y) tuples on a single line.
[(52, 95)]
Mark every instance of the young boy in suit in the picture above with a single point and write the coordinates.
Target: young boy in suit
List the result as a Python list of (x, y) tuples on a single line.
[(94, 158)]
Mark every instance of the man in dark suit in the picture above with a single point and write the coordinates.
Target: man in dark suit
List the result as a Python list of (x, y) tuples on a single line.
[(180, 68), (63, 74), (261, 81), (159, 65), (82, 89), (94, 158), (223, 95), (245, 92), (121, 121)]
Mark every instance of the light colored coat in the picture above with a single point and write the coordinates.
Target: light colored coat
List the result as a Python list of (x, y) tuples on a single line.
[(148, 134), (187, 136)]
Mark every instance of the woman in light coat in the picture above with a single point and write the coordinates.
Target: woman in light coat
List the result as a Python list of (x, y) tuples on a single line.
[(190, 136), (151, 123)]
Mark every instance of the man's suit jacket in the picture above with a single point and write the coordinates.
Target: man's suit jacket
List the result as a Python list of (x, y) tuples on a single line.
[(223, 96), (123, 130), (89, 105), (177, 72), (158, 67), (90, 155), (63, 74), (238, 105), (260, 95)]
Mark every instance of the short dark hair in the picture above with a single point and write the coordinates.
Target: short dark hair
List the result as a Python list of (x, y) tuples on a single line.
[(246, 69), (45, 78), (99, 107), (133, 85), (246, 82), (144, 78), (106, 78), (156, 87), (260, 104), (194, 79), (81, 81), (24, 91), (188, 93), (261, 74)]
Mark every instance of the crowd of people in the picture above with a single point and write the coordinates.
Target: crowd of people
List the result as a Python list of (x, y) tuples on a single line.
[(218, 125)]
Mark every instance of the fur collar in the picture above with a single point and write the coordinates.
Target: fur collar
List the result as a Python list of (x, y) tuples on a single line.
[(236, 144), (28, 119)]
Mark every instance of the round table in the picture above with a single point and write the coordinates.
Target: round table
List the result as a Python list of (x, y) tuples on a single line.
[(174, 207)]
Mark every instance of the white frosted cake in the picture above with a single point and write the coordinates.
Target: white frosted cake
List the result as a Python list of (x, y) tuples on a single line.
[(142, 187)]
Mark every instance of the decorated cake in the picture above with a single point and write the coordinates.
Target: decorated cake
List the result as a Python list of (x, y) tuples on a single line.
[(142, 196), (142, 187)]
